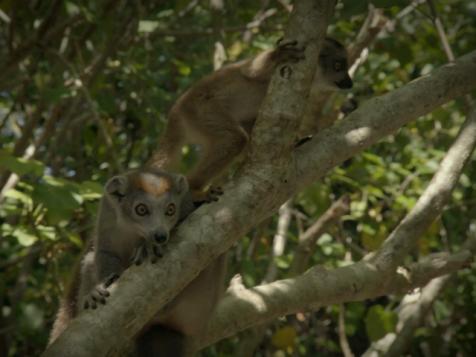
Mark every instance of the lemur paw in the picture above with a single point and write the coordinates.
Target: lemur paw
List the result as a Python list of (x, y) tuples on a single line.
[(148, 250), (288, 51), (214, 193), (99, 294), (211, 195)]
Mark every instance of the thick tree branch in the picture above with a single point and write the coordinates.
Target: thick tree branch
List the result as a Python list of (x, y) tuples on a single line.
[(319, 287), (279, 115)]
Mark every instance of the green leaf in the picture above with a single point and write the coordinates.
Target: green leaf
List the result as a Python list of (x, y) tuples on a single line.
[(285, 337), (20, 166), (19, 196), (90, 190), (32, 316), (379, 322), (352, 8), (71, 8), (58, 197), (24, 237), (47, 232), (55, 94), (282, 262), (146, 26)]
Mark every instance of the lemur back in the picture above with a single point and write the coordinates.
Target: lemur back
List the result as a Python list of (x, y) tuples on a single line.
[(218, 112)]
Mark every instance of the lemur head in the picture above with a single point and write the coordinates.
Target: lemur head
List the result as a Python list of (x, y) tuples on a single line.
[(332, 72), (149, 202)]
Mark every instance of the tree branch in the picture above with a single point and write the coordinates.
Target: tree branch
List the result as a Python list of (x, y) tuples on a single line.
[(279, 115), (320, 287), (373, 24)]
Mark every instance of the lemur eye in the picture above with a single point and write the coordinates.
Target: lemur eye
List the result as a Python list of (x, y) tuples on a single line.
[(170, 209), (141, 210), (338, 66)]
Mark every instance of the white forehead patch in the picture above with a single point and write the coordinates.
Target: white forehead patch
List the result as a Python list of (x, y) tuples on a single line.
[(154, 185)]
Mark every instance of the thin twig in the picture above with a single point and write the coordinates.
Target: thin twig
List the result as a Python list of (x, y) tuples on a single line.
[(435, 18), (343, 342), (279, 240), (308, 239)]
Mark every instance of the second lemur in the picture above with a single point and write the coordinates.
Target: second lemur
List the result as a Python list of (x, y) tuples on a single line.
[(219, 111)]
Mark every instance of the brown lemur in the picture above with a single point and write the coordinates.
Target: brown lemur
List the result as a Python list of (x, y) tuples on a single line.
[(219, 111), (137, 213)]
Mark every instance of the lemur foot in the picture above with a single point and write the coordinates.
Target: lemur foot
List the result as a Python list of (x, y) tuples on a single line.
[(99, 294), (288, 51), (211, 195)]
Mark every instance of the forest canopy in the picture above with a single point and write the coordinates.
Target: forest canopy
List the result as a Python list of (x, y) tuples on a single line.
[(357, 242)]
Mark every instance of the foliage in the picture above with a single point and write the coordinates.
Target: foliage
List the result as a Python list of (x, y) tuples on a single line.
[(84, 92)]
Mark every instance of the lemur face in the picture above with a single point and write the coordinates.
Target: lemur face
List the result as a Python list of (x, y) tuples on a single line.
[(332, 73), (149, 201)]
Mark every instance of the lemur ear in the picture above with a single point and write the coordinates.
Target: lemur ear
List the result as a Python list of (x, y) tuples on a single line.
[(116, 187), (181, 184)]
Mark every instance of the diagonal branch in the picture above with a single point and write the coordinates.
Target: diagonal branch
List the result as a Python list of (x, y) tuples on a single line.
[(320, 287)]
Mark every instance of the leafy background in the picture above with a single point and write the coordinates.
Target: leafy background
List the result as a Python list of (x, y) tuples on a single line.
[(84, 91)]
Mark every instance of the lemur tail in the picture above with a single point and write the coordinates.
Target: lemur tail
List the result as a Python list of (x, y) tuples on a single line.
[(167, 156)]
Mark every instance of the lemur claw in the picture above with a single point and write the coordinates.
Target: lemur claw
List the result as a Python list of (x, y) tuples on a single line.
[(144, 250), (211, 195), (289, 51), (99, 294)]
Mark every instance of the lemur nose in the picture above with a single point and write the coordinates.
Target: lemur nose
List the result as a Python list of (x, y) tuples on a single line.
[(161, 238)]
